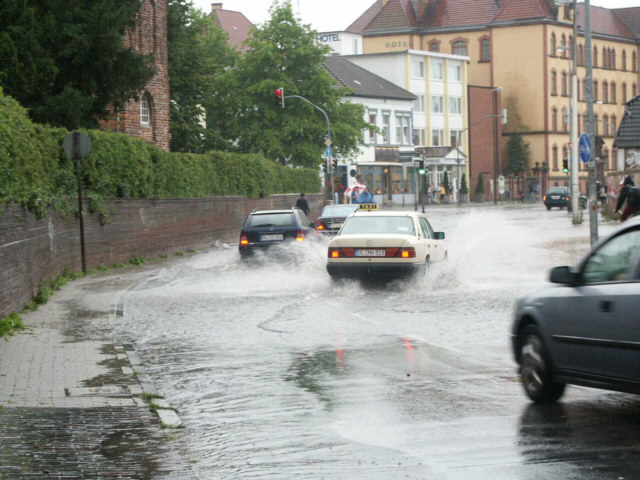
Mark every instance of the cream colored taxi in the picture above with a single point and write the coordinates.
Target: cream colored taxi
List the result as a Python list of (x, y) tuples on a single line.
[(384, 244)]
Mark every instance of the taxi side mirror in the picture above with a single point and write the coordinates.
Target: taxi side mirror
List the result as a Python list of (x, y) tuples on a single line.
[(439, 235)]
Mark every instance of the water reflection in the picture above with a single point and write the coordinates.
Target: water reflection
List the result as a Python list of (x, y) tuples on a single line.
[(595, 439)]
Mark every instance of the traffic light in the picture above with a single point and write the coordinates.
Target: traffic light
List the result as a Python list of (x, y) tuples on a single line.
[(421, 167), (324, 165), (280, 96), (335, 163), (565, 165)]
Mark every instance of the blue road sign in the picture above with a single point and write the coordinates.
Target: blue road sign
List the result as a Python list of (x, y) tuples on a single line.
[(584, 148), (328, 152)]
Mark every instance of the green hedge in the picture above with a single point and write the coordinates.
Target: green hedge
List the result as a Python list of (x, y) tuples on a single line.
[(35, 171)]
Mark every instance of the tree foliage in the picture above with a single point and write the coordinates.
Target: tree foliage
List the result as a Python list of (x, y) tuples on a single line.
[(284, 54), (517, 154), (66, 60), (198, 54)]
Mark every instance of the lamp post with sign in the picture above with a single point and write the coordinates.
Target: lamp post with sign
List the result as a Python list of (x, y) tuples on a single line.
[(77, 145)]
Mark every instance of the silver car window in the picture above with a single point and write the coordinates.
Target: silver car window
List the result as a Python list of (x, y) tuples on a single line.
[(614, 261)]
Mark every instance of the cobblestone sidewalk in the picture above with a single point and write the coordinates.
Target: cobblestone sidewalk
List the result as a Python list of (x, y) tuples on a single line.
[(73, 407)]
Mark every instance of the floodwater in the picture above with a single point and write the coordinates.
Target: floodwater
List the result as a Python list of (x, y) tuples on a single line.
[(277, 373)]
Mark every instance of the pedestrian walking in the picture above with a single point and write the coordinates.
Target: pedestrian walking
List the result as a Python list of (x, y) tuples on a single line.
[(303, 205), (631, 194)]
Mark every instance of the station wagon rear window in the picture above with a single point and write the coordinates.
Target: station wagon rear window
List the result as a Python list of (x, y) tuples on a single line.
[(271, 220)]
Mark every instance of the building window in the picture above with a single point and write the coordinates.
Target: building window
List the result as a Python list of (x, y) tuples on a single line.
[(437, 137), (605, 92), (417, 68), (434, 47), (419, 136), (595, 57), (485, 50), (372, 128), (386, 127), (563, 42), (145, 111), (565, 119), (584, 89), (455, 72), (614, 124), (578, 91), (595, 90), (565, 90), (437, 104), (565, 154), (455, 137), (554, 119), (460, 48), (624, 92), (554, 158), (634, 62), (402, 129), (554, 87), (605, 58), (612, 92), (436, 71), (553, 45), (581, 55), (613, 58), (605, 127), (624, 60), (418, 103), (455, 105)]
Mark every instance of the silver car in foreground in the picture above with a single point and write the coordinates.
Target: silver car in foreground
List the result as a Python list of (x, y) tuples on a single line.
[(584, 329)]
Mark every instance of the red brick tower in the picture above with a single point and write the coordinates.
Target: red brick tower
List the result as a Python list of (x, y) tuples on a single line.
[(148, 118)]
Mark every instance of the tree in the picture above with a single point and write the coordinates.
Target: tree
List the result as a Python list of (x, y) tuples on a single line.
[(517, 154), (198, 54), (285, 54), (445, 181), (66, 60), (464, 189), (480, 185)]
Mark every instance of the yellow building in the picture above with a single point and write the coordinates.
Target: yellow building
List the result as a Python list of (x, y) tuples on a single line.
[(514, 44)]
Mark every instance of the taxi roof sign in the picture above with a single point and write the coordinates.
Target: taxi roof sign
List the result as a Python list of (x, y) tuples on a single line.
[(368, 206)]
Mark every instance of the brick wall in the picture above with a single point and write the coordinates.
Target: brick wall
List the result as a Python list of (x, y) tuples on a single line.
[(32, 250), (149, 37)]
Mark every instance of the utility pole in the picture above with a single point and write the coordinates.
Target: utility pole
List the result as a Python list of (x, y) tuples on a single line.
[(575, 189), (590, 127)]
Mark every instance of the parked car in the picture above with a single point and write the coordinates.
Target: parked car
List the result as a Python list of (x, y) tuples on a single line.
[(265, 228), (584, 329), (332, 217), (384, 244)]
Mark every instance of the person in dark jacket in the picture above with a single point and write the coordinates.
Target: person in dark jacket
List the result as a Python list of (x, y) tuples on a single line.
[(303, 205), (627, 193)]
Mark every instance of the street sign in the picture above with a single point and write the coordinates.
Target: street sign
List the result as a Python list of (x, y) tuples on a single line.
[(77, 145), (328, 142), (584, 147), (328, 152)]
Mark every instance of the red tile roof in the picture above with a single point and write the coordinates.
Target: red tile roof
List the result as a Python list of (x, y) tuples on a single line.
[(361, 22), (404, 15), (605, 21), (631, 18), (235, 24)]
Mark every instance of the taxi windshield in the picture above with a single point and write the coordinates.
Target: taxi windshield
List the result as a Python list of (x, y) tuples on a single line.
[(378, 224)]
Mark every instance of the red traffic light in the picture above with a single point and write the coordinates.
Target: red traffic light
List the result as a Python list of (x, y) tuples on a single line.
[(280, 96)]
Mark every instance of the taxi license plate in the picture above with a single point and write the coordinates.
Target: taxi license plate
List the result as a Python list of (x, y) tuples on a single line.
[(271, 237), (371, 253)]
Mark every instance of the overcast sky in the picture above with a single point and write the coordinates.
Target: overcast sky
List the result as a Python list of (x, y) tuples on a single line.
[(334, 15)]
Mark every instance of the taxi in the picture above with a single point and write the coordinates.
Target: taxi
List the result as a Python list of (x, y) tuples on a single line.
[(377, 243)]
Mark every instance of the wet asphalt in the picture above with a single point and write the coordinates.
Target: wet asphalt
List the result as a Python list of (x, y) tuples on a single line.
[(276, 372)]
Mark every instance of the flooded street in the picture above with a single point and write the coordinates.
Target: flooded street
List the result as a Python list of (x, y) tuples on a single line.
[(278, 373)]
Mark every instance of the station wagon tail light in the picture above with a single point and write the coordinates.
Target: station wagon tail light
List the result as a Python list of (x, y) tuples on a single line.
[(407, 252), (300, 236), (334, 253), (321, 226), (244, 240)]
